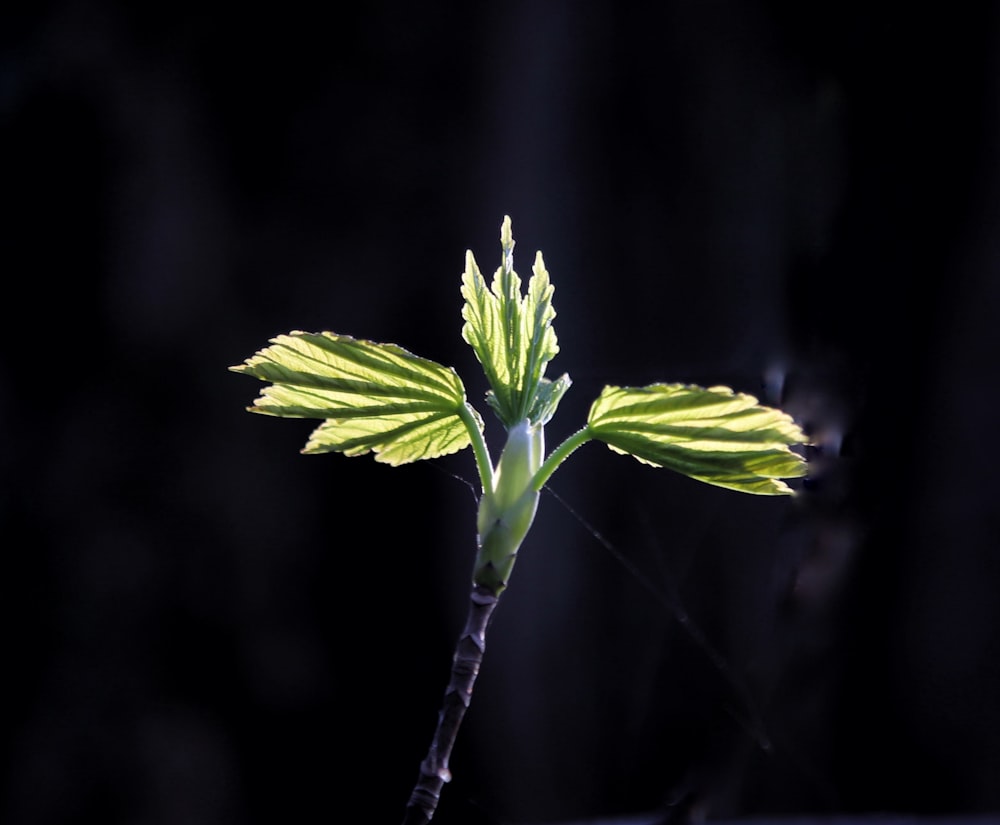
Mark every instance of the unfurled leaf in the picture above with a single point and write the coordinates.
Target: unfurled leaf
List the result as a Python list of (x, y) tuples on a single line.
[(714, 435), (512, 336), (373, 397)]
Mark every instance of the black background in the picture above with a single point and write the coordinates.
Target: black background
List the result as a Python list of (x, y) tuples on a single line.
[(201, 625)]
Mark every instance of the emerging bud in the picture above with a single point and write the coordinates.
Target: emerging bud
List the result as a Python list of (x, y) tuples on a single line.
[(507, 511)]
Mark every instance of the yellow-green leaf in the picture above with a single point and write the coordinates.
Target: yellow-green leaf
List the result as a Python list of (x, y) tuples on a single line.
[(373, 397), (512, 335), (714, 435)]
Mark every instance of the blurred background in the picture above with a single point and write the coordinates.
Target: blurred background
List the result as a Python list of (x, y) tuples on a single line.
[(201, 626)]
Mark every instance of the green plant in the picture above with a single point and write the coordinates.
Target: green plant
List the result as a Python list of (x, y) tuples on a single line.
[(382, 399)]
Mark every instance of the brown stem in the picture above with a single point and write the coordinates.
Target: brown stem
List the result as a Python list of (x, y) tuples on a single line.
[(464, 668)]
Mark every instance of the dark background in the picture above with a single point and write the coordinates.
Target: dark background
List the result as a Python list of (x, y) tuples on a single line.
[(200, 625)]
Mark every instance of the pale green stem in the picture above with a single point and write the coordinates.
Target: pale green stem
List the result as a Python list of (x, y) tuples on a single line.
[(559, 455), (471, 645), (479, 448)]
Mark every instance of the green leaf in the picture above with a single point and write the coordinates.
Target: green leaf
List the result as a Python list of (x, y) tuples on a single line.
[(512, 335), (547, 398), (374, 397), (714, 435)]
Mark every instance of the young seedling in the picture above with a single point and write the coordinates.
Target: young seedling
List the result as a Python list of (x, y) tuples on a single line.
[(382, 399)]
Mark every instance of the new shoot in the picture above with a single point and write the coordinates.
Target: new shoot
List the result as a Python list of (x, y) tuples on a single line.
[(379, 398)]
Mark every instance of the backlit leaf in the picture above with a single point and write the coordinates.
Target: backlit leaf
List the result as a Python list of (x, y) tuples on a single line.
[(373, 397), (714, 435), (512, 335)]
